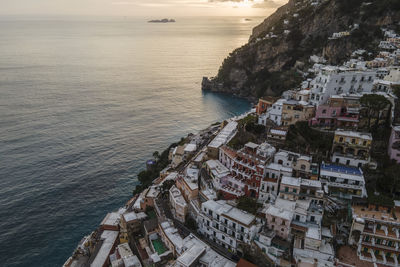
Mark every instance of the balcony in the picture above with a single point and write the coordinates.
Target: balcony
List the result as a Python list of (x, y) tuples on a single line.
[(348, 118)]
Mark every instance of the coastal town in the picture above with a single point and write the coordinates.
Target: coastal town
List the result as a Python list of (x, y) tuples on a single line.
[(306, 179)]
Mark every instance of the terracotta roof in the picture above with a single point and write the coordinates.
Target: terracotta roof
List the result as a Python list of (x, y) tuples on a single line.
[(244, 263)]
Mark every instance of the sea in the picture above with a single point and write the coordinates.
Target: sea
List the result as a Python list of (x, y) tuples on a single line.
[(84, 102)]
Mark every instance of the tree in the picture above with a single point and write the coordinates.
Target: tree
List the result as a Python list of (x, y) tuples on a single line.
[(156, 155), (391, 180), (190, 223), (374, 105), (166, 187), (248, 204)]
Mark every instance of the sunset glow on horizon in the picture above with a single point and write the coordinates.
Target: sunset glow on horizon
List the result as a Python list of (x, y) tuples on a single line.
[(165, 8)]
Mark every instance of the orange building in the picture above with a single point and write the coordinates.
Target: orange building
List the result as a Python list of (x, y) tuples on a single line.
[(264, 103)]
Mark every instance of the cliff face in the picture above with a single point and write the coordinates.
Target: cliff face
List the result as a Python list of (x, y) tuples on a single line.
[(279, 48)]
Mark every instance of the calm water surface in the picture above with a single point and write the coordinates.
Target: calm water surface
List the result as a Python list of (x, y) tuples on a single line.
[(83, 103)]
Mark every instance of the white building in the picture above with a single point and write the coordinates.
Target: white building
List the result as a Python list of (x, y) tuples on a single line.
[(333, 80), (343, 181), (274, 113), (125, 257), (226, 225), (223, 137), (269, 185), (198, 253), (387, 45), (217, 171), (178, 203)]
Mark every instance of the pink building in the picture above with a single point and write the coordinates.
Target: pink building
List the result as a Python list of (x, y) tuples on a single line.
[(342, 112), (394, 144), (278, 220)]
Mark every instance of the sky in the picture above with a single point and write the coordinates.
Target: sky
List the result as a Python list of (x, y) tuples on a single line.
[(151, 8)]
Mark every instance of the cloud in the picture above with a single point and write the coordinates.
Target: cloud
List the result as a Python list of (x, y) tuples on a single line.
[(267, 4)]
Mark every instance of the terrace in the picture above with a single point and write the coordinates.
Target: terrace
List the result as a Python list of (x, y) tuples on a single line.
[(158, 246)]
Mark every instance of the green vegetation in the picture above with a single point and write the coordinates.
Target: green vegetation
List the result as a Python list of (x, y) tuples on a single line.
[(248, 204), (190, 223), (396, 91), (385, 180), (228, 64), (380, 199), (369, 8), (374, 104), (166, 186), (151, 212), (304, 139), (146, 177), (248, 131), (267, 83)]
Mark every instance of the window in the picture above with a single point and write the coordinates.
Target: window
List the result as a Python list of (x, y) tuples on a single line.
[(341, 139), (324, 111), (294, 190), (353, 141), (223, 237), (297, 217), (286, 189)]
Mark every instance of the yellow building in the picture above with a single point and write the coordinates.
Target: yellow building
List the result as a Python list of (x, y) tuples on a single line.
[(294, 111), (351, 148)]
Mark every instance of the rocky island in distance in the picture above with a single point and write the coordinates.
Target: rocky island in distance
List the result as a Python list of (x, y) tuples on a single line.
[(161, 21)]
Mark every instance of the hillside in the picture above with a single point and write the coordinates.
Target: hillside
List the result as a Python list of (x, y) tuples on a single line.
[(280, 47)]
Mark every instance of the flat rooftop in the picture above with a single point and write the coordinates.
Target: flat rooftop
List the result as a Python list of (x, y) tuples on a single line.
[(341, 169), (366, 213), (109, 238)]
